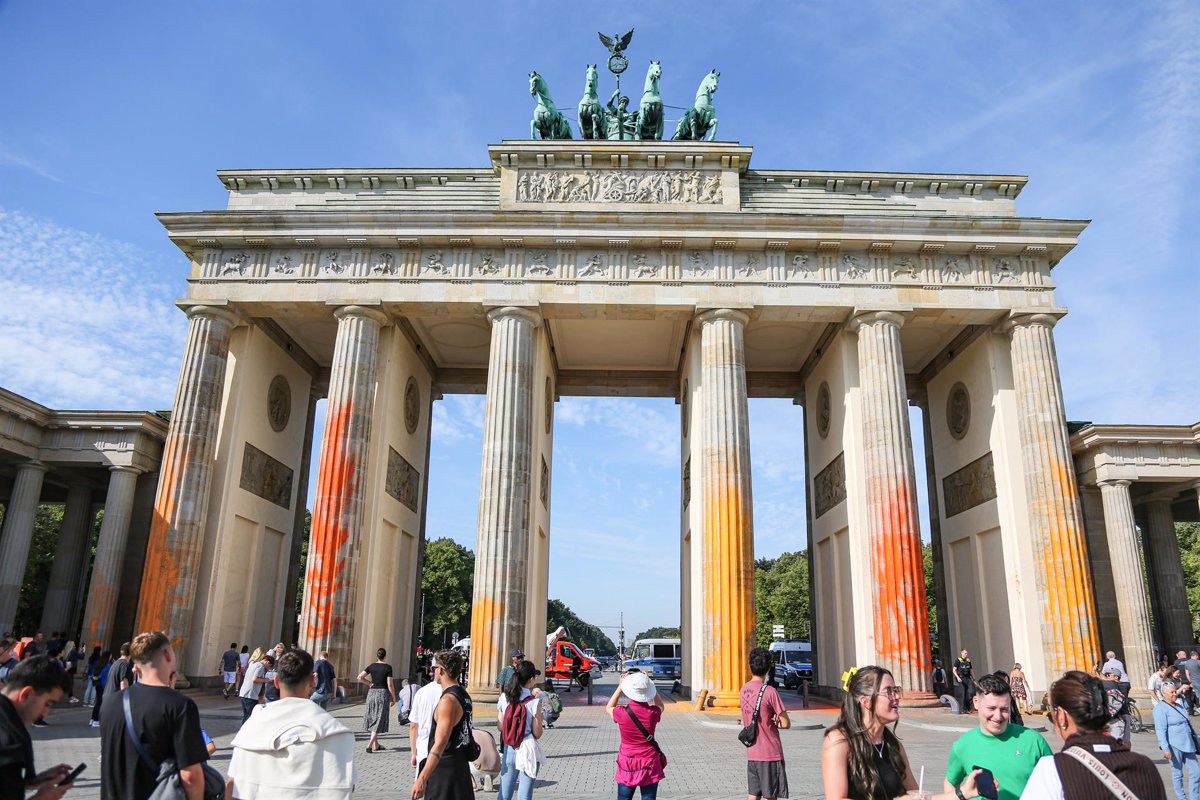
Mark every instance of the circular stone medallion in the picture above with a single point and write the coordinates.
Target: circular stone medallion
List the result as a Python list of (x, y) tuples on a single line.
[(279, 403), (549, 404), (958, 411), (824, 410), (412, 405)]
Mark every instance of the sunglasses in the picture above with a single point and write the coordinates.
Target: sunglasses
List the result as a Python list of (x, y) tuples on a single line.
[(892, 691)]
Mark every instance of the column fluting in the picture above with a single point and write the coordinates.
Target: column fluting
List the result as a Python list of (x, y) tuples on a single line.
[(335, 539), (1133, 609), (69, 551), (900, 609), (1063, 578), (171, 573), (728, 537), (16, 537), (105, 585), (502, 545), (1167, 564)]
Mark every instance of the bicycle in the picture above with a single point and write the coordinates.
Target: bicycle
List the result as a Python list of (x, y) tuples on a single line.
[(1135, 716)]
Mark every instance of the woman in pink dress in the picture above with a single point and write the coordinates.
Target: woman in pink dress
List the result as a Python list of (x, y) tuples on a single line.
[(639, 762)]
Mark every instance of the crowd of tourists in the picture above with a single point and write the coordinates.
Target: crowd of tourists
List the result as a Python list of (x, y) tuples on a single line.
[(290, 746)]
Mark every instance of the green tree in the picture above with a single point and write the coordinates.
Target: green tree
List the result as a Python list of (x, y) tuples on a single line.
[(46, 525), (930, 591), (657, 633), (781, 596), (446, 586), (1189, 551), (583, 633)]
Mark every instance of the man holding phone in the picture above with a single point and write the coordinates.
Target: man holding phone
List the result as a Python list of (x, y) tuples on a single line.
[(30, 691), (1008, 751)]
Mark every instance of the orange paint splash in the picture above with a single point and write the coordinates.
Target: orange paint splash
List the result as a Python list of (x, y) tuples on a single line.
[(325, 584), (161, 574)]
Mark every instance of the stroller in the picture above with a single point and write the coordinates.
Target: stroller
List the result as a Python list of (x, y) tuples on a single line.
[(486, 768)]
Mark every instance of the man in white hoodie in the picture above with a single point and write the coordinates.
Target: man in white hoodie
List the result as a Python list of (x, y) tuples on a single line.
[(292, 748)]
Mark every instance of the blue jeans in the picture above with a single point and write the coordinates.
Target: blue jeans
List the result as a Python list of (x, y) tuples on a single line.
[(321, 698), (626, 792), (1178, 761), (509, 775)]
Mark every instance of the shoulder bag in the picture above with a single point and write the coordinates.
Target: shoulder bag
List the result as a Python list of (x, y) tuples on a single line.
[(168, 785), (749, 734), (1102, 773), (649, 736)]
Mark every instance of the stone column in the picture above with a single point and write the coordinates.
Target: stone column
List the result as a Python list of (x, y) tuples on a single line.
[(502, 549), (1133, 609), (1167, 566), (69, 554), (727, 543), (105, 587), (1063, 579), (326, 622), (16, 537), (900, 609), (176, 538)]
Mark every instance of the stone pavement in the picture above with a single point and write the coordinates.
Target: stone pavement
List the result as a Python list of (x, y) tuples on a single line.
[(705, 758)]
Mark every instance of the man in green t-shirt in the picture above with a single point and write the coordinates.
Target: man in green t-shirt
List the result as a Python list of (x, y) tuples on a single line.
[(1009, 751)]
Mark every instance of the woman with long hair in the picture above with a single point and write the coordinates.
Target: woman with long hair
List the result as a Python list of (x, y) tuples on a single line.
[(861, 758), (520, 757), (103, 666), (1020, 689), (90, 676), (1078, 712), (640, 761), (380, 697)]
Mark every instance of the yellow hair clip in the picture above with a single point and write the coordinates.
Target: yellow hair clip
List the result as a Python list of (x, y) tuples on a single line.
[(846, 678)]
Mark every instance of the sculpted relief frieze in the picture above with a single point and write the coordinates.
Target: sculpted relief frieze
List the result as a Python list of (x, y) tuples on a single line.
[(619, 186), (721, 264)]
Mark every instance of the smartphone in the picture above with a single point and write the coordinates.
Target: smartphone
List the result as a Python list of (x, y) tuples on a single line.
[(74, 774), (985, 783)]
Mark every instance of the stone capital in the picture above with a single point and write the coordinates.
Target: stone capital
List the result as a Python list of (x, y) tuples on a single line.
[(216, 313), (1115, 484), (126, 468), (529, 315), (1026, 320), (861, 318), (364, 312), (731, 314), (32, 466)]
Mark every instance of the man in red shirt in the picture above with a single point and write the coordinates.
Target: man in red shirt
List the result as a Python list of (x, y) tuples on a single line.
[(766, 776)]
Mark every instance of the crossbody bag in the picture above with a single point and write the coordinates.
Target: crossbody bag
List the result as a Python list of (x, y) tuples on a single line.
[(749, 734), (1102, 773), (649, 736), (168, 785)]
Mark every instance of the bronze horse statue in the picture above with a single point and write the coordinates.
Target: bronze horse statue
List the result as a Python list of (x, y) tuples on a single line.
[(701, 118), (547, 120), (592, 124), (650, 111)]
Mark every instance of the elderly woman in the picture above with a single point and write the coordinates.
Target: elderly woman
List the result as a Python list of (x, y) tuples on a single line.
[(640, 762), (1177, 740)]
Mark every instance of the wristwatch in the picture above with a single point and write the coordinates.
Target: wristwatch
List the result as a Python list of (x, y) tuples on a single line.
[(958, 792)]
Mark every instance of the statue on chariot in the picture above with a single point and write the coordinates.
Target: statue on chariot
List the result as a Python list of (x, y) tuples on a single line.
[(613, 120)]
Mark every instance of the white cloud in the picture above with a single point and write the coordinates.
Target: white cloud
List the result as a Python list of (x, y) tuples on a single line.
[(652, 433), (458, 418), (80, 324)]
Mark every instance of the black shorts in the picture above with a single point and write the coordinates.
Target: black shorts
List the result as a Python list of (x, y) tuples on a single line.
[(766, 779)]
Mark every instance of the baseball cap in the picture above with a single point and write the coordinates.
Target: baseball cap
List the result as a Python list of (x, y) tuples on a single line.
[(518, 653)]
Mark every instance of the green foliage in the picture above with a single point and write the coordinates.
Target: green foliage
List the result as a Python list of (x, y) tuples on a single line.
[(781, 596), (303, 558), (930, 591), (1189, 551), (37, 570), (656, 633), (446, 584), (582, 633)]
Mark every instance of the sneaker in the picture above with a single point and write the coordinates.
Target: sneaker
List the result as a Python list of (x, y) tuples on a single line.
[(225, 693), (73, 700), (41, 723), (93, 723)]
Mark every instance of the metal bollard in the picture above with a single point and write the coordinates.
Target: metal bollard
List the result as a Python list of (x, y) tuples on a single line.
[(589, 688), (804, 693)]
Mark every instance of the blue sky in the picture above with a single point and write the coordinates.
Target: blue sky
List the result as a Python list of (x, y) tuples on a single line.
[(115, 111)]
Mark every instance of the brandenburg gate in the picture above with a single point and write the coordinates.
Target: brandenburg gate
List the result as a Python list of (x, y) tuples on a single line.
[(640, 268)]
